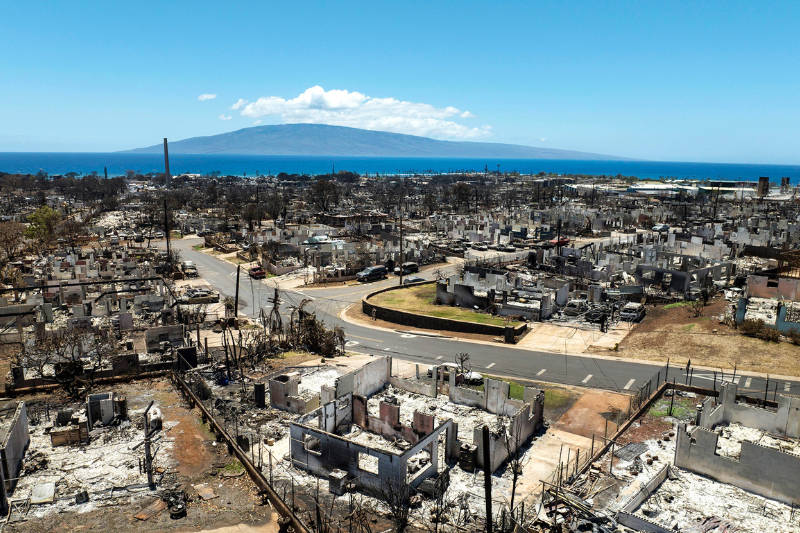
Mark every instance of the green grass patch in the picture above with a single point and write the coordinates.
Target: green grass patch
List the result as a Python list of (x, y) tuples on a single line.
[(688, 327), (420, 300), (682, 408), (516, 390), (556, 398), (234, 467), (676, 304), (198, 247), (175, 235), (553, 398)]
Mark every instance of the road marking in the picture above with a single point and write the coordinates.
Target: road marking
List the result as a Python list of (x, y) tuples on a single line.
[(408, 336), (628, 386), (232, 274), (542, 371), (439, 357), (365, 338), (587, 378), (747, 383), (787, 386), (386, 349), (351, 343), (303, 295), (490, 366)]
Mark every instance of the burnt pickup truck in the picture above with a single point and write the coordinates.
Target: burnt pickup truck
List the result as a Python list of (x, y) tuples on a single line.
[(257, 273)]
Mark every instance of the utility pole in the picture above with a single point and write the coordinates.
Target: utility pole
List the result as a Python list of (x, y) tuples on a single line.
[(166, 224), (558, 237), (487, 476), (236, 301), (401, 245), (167, 175)]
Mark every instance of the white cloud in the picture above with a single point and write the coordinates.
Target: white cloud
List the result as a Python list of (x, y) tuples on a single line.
[(224, 117), (356, 110), (466, 114), (203, 97), (256, 122), (543, 139)]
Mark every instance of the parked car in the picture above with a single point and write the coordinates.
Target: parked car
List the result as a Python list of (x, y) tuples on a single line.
[(257, 273), (473, 378), (372, 273), (408, 268), (113, 240), (159, 234), (413, 279), (563, 241), (596, 314), (138, 237), (632, 312), (661, 227), (189, 269), (192, 294), (479, 247), (576, 307), (448, 367)]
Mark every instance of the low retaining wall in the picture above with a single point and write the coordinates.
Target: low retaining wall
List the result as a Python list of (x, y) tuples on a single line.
[(430, 322)]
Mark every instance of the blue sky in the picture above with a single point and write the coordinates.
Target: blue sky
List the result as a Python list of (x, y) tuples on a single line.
[(710, 81)]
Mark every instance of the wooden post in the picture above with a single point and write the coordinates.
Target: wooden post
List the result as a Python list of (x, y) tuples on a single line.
[(611, 461), (672, 398), (766, 389)]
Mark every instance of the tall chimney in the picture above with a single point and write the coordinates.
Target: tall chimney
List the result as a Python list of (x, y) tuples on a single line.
[(167, 175)]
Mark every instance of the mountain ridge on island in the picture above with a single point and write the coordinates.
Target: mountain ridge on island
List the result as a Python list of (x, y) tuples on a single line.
[(326, 140)]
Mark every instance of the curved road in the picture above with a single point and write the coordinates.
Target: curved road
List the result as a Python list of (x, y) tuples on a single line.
[(582, 370)]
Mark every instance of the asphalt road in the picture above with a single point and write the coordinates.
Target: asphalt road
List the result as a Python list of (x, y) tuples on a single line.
[(582, 370)]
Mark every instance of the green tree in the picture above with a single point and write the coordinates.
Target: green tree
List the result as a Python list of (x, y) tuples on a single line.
[(42, 224)]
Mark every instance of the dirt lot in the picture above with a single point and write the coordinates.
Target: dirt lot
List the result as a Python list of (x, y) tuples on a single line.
[(594, 413), (675, 335), (194, 459)]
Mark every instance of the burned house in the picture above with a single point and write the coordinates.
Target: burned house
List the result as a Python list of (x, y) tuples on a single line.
[(758, 468), (375, 428), (284, 394)]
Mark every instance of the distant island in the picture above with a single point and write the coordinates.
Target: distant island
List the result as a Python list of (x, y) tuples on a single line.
[(324, 140)]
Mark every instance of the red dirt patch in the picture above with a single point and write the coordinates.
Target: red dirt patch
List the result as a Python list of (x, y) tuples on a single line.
[(589, 415)]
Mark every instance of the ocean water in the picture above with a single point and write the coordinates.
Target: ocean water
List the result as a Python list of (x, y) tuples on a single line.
[(240, 165)]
